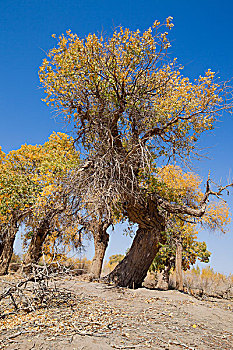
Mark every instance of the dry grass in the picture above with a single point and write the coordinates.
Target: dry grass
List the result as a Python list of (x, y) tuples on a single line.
[(207, 282), (80, 266)]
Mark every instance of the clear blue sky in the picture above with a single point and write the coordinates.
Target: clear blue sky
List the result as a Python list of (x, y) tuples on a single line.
[(201, 39)]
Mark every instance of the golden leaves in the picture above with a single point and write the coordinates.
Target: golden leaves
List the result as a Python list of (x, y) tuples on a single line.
[(31, 176), (82, 75), (177, 185), (184, 188), (217, 216)]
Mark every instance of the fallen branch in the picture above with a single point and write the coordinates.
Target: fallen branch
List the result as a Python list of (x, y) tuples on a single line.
[(35, 291)]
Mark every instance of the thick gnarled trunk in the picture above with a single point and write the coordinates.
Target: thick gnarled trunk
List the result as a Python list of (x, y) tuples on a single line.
[(101, 238), (132, 270), (7, 248)]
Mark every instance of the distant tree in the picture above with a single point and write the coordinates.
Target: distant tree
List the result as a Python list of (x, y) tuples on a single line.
[(52, 212), (190, 251), (93, 221), (64, 238), (114, 261), (131, 108), (18, 193), (33, 191), (16, 259)]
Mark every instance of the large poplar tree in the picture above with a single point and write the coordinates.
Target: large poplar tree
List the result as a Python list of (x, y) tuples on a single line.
[(131, 107)]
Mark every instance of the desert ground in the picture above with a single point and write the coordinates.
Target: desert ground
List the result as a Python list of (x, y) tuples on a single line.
[(91, 316)]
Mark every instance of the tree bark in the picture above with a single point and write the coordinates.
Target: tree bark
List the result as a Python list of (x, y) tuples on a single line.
[(101, 238), (7, 248), (3, 234), (34, 251), (166, 276), (178, 266), (132, 270)]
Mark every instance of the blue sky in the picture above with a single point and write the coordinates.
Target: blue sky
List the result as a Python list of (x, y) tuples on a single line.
[(201, 39)]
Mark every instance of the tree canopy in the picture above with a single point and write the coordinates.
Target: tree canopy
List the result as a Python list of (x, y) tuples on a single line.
[(128, 104)]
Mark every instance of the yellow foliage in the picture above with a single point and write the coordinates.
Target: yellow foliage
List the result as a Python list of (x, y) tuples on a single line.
[(31, 179), (184, 188), (178, 184), (208, 273), (217, 216), (80, 73)]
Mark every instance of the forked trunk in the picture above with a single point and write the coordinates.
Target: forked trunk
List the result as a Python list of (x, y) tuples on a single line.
[(178, 267), (101, 238), (7, 249), (132, 270)]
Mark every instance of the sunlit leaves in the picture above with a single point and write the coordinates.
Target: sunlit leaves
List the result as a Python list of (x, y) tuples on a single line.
[(125, 79), (32, 177)]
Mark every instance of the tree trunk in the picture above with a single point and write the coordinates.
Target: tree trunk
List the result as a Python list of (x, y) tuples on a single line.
[(132, 270), (166, 276), (3, 234), (34, 251), (101, 238), (7, 248), (178, 266)]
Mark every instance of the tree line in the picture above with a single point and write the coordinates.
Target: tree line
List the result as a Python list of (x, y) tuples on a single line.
[(36, 193)]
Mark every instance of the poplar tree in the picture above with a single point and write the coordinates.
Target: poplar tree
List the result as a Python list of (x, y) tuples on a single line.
[(130, 107)]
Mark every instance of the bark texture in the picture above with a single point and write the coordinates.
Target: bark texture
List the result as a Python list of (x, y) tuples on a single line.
[(165, 279), (7, 248), (3, 234), (178, 266), (132, 270), (101, 239), (34, 251)]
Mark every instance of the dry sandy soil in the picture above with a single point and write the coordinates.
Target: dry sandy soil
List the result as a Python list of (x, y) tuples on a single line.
[(100, 316)]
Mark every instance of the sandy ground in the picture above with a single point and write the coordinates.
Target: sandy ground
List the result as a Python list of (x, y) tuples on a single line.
[(100, 316)]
